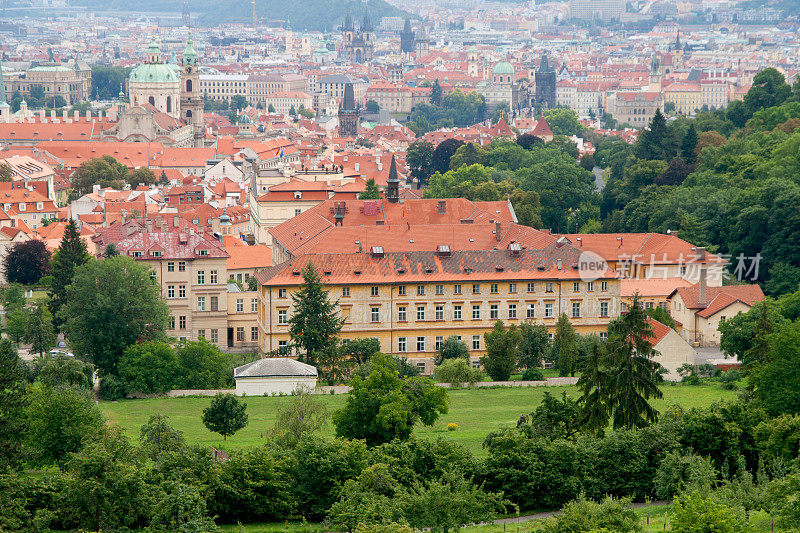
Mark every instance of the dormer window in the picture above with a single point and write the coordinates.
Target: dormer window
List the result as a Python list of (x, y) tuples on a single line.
[(202, 253), (22, 206), (136, 253), (156, 253), (39, 206)]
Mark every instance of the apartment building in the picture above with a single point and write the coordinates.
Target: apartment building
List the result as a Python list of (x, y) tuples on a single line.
[(223, 86), (259, 86), (634, 108), (27, 205), (285, 101), (412, 301)]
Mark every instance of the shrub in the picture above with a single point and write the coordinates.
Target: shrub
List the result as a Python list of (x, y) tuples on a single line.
[(693, 512), (679, 472), (202, 366), (457, 371), (111, 388), (587, 515), (149, 367), (533, 374)]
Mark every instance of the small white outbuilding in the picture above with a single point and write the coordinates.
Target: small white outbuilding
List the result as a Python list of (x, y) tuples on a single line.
[(274, 375)]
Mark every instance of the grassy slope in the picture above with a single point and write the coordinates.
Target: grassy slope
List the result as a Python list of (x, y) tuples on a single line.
[(476, 411)]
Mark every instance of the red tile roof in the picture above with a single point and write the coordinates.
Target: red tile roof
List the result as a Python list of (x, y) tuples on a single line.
[(718, 298)]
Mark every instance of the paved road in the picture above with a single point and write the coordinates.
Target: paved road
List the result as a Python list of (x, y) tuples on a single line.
[(598, 178), (550, 514)]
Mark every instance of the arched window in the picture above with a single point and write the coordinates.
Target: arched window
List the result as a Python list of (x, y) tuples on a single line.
[(188, 113), (152, 101), (188, 86), (169, 104)]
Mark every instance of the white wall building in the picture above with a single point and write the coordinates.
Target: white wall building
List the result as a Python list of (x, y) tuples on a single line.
[(274, 375)]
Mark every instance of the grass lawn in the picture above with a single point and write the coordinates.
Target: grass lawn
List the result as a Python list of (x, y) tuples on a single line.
[(476, 411)]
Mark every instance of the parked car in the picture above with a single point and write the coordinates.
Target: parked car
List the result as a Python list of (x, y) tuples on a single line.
[(61, 353)]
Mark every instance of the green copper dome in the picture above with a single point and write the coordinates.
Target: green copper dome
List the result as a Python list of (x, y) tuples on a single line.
[(189, 54), (503, 68), (153, 73)]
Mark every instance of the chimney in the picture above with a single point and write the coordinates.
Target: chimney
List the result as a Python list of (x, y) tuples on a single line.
[(497, 235), (441, 206), (149, 224), (702, 299), (175, 221), (76, 116), (700, 254)]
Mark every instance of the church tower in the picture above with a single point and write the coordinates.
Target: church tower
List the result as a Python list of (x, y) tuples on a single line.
[(655, 74), (191, 103), (5, 109), (348, 114), (393, 184), (423, 45)]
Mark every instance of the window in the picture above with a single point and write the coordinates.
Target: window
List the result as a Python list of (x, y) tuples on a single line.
[(181, 291), (440, 290), (240, 305), (201, 277), (648, 305), (623, 307), (345, 292), (420, 344), (181, 322), (402, 315), (476, 312), (457, 288), (663, 305), (420, 290), (603, 308), (240, 334), (512, 287), (373, 291), (201, 303), (548, 310), (282, 314), (683, 270), (401, 290), (171, 323), (254, 305), (181, 266), (136, 254), (476, 289), (439, 310), (170, 291), (214, 336), (213, 277), (420, 312), (603, 335), (283, 347), (171, 266), (512, 311), (576, 309), (254, 333), (476, 342), (297, 211), (401, 344), (531, 311), (374, 314), (531, 287), (548, 287), (437, 342), (493, 312), (493, 288), (201, 334), (456, 312), (214, 303), (590, 286)]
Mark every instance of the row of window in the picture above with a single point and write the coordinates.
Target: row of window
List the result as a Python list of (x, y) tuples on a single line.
[(214, 333), (494, 288), (403, 342)]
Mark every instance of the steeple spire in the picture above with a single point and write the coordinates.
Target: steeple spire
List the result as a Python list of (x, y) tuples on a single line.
[(2, 83), (393, 183)]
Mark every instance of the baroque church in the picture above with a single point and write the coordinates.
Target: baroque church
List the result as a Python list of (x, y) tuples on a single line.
[(165, 103), (358, 45)]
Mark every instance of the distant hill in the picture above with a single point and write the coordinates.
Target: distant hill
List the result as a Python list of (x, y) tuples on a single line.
[(303, 14)]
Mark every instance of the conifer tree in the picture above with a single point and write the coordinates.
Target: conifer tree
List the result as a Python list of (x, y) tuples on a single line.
[(565, 347), (316, 321), (71, 254), (689, 143)]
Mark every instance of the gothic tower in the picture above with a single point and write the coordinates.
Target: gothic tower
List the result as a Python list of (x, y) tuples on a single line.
[(348, 113), (191, 102), (423, 45), (545, 78), (393, 184)]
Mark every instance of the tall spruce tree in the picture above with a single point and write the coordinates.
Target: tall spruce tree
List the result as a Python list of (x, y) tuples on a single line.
[(39, 330), (565, 347), (689, 143), (12, 402), (436, 93), (633, 375), (71, 254), (653, 140), (316, 322)]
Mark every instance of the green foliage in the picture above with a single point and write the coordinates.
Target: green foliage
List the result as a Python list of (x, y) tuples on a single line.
[(361, 350), (371, 499), (149, 367), (107, 82), (778, 440), (60, 421), (12, 402), (679, 472), (383, 407), (62, 371), (104, 171), (372, 107), (457, 109), (371, 192), (694, 512), (405, 369), (419, 159), (660, 314), (39, 332), (553, 419), (159, 438), (316, 322), (110, 305), (587, 515), (300, 418), (456, 372), (27, 262), (565, 347), (776, 383), (563, 121), (111, 388), (467, 155), (226, 415), (202, 366), (533, 374), (254, 485), (501, 351), (442, 154), (71, 254)]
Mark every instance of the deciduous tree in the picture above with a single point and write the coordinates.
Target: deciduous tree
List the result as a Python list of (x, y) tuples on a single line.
[(226, 415)]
